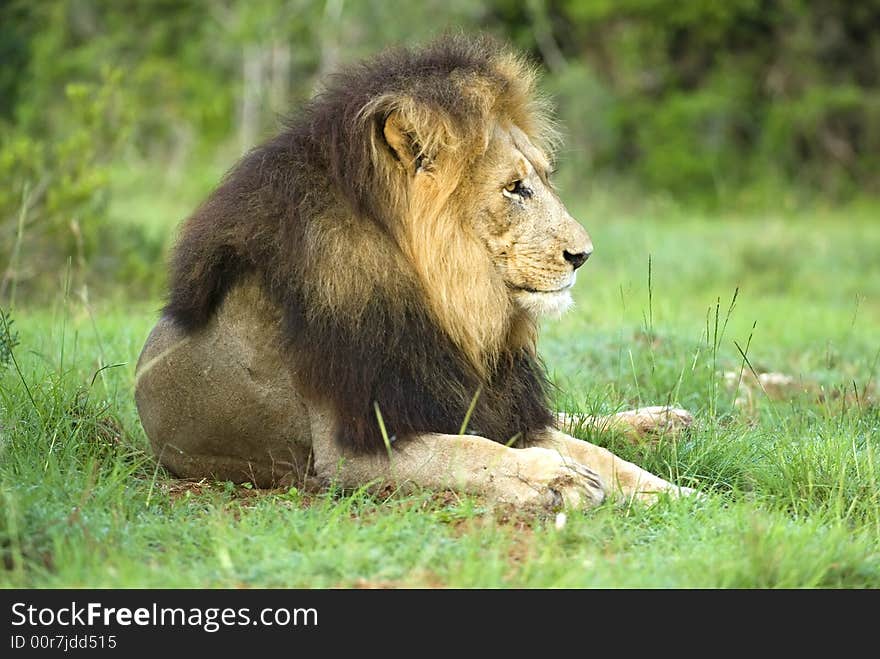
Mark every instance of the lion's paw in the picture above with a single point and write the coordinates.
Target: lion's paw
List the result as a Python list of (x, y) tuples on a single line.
[(655, 420), (546, 480)]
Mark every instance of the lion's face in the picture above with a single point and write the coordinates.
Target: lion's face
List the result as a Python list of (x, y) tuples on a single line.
[(476, 217), (533, 242)]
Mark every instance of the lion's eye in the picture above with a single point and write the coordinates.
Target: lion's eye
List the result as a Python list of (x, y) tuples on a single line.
[(518, 188)]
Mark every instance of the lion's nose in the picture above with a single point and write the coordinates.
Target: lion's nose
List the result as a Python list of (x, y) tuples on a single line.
[(576, 259)]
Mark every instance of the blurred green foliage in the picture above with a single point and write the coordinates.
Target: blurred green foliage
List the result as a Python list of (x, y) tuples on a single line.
[(712, 103), (706, 98)]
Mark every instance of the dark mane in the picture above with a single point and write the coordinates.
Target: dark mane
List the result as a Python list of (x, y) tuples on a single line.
[(312, 216)]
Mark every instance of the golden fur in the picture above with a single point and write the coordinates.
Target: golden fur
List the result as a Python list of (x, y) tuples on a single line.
[(448, 147)]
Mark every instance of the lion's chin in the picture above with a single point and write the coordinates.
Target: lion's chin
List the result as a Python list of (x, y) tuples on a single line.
[(552, 304)]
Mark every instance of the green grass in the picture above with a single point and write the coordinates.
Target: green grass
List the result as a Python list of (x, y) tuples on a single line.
[(793, 483)]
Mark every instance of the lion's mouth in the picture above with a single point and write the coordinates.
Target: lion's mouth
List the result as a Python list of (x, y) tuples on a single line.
[(536, 290), (542, 301), (541, 291)]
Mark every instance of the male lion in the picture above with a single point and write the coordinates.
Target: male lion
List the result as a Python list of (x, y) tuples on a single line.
[(363, 284)]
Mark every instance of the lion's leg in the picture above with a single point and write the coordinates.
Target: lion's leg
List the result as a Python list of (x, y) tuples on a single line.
[(216, 404), (533, 478), (527, 478), (622, 478), (635, 424)]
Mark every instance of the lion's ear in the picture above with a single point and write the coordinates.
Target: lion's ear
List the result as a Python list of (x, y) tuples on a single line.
[(401, 137)]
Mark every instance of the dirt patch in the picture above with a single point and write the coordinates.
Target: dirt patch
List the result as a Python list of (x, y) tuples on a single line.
[(244, 495)]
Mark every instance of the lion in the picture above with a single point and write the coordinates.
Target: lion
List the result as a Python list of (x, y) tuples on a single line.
[(358, 299)]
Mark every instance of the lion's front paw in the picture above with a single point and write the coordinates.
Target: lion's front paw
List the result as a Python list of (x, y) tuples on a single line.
[(544, 479), (655, 420)]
